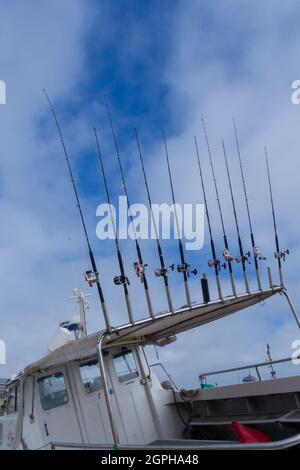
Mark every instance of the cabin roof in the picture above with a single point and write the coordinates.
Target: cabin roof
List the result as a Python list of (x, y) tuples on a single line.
[(150, 331), (79, 349)]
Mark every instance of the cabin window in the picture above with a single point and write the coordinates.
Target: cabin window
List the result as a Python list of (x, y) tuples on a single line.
[(12, 400), (91, 377), (125, 366), (53, 391)]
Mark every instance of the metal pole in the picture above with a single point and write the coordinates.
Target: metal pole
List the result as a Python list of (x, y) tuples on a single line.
[(285, 293), (149, 394), (106, 391)]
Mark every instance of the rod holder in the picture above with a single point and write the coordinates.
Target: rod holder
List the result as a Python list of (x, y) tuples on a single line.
[(271, 285), (232, 284), (205, 289)]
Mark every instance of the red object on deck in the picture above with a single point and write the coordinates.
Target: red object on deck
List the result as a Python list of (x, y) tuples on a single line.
[(247, 434)]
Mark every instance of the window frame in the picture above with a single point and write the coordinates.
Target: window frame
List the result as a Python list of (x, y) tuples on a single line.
[(43, 377), (14, 391), (122, 354), (86, 363)]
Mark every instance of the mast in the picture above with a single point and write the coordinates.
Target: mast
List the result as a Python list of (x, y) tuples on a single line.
[(279, 254), (242, 258), (183, 267), (139, 266), (121, 280), (81, 300), (92, 277), (163, 271), (214, 262), (226, 252), (255, 249)]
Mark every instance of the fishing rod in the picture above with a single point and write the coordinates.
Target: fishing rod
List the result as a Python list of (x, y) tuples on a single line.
[(184, 267), (279, 255), (121, 280), (226, 252), (215, 262), (139, 266), (163, 270), (92, 277), (243, 258), (256, 252)]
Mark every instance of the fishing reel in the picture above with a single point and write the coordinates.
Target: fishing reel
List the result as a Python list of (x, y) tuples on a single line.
[(185, 268), (226, 255), (242, 259), (216, 263), (139, 269), (281, 254), (121, 280), (91, 277), (163, 272), (257, 254)]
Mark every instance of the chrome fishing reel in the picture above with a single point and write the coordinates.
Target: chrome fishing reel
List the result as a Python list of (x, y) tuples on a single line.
[(244, 258), (226, 255), (257, 254), (163, 272)]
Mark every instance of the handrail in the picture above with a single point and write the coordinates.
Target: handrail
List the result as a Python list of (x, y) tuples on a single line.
[(276, 445), (251, 366), (106, 391)]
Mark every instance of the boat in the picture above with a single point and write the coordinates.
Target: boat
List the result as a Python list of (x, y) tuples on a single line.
[(99, 392)]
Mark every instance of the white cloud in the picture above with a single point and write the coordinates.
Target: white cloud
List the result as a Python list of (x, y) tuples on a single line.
[(42, 45), (224, 60)]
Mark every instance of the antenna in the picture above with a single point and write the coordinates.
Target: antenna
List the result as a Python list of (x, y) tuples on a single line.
[(270, 360), (279, 255), (226, 252), (256, 253), (163, 270), (214, 262), (242, 258), (121, 280), (139, 266), (183, 267), (91, 276)]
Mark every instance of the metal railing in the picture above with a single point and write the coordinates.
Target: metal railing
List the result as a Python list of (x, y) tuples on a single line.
[(255, 366), (276, 445)]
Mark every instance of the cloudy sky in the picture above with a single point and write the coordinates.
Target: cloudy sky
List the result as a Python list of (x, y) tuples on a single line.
[(161, 64)]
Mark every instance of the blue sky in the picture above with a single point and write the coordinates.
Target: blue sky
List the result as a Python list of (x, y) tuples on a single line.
[(161, 64)]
